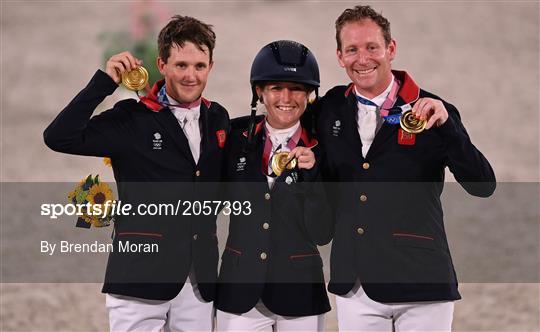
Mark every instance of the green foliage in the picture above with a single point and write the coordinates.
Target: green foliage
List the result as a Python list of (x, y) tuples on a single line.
[(144, 49), (88, 182)]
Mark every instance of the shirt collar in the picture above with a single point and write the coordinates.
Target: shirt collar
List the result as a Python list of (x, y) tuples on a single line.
[(279, 136), (379, 100), (181, 113)]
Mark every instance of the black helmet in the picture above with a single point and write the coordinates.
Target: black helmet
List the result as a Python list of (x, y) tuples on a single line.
[(286, 61), (282, 61)]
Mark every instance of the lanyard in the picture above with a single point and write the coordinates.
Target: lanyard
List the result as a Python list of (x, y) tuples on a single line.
[(164, 101), (390, 113)]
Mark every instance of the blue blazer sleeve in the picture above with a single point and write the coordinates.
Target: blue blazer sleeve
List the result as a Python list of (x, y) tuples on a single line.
[(469, 166), (104, 135)]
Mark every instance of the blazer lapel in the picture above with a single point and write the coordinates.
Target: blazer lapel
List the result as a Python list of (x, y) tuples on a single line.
[(350, 114), (170, 123), (254, 175), (257, 156), (207, 124)]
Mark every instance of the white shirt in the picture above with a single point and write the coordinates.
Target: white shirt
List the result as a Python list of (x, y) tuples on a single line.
[(278, 137), (367, 117), (188, 118)]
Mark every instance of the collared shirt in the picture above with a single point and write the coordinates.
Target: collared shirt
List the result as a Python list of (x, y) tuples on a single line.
[(188, 114), (279, 139), (368, 119)]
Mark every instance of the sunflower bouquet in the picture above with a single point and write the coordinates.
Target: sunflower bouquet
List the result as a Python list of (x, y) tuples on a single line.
[(91, 195)]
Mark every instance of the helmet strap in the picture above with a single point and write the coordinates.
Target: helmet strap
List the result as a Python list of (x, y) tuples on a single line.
[(252, 117)]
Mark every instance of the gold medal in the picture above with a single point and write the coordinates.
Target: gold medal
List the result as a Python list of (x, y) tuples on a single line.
[(280, 162), (411, 124), (135, 79)]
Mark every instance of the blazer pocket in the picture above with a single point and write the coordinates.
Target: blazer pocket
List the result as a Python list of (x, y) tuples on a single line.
[(231, 256), (414, 240), (303, 261)]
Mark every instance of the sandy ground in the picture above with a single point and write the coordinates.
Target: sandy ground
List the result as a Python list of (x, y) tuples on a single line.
[(481, 56)]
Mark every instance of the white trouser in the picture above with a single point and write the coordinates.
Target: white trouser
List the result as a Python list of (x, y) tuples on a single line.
[(357, 312), (186, 312), (261, 319)]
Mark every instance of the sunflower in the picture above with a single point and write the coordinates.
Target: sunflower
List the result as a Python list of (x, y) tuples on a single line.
[(72, 195), (99, 193)]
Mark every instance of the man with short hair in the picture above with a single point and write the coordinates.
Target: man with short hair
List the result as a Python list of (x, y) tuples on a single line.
[(166, 148), (387, 145)]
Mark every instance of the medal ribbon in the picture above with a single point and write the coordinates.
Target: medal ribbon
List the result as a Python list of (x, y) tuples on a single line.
[(390, 99), (365, 101), (388, 112), (292, 142), (163, 100)]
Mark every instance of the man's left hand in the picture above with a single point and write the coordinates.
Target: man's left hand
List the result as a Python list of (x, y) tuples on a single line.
[(305, 157), (431, 110)]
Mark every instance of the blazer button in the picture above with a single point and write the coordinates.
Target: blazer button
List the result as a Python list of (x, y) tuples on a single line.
[(365, 165), (267, 196), (195, 236), (266, 225), (264, 256), (198, 173), (360, 231), (363, 198)]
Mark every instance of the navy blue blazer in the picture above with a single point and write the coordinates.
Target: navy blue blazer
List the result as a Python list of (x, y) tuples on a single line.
[(152, 163), (271, 254), (389, 230)]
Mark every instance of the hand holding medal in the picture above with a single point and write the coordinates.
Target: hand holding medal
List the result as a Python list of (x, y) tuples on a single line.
[(300, 155), (126, 69), (303, 155), (425, 113)]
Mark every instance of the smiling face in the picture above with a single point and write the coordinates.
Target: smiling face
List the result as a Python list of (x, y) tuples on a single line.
[(285, 103), (186, 71), (366, 57)]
